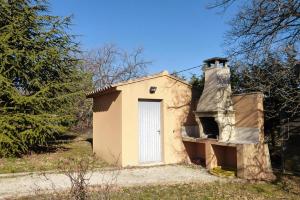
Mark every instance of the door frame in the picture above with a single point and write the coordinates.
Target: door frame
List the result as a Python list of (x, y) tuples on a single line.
[(162, 149)]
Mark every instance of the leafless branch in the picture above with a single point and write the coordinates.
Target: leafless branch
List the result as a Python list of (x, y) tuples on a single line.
[(110, 64), (262, 25)]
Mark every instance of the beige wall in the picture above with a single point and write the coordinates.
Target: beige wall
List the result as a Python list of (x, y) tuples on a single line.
[(254, 162), (107, 127), (249, 109), (175, 99)]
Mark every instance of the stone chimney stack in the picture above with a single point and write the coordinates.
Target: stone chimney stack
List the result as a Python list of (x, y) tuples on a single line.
[(216, 62), (215, 114)]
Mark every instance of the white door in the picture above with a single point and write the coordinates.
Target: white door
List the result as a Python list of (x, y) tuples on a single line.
[(149, 131)]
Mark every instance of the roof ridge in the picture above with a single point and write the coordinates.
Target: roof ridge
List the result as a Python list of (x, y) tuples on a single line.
[(130, 81), (165, 72)]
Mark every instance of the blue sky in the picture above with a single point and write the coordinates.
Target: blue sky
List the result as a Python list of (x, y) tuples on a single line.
[(175, 34)]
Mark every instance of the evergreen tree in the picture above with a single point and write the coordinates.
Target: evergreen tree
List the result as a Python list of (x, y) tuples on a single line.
[(39, 81), (196, 82)]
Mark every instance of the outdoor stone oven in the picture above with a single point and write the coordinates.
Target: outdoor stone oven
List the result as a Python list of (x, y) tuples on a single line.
[(214, 114), (230, 127)]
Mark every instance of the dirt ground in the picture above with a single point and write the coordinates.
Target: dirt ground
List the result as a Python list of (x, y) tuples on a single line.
[(17, 186)]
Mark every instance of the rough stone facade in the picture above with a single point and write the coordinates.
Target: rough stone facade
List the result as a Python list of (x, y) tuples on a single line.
[(216, 102), (230, 127)]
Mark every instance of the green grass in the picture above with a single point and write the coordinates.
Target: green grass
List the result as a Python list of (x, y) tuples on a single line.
[(77, 147), (218, 191), (231, 190)]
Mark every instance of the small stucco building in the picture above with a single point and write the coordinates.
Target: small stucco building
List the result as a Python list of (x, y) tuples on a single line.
[(139, 121), (160, 119)]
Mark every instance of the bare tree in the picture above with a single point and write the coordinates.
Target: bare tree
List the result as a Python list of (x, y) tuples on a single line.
[(111, 64), (262, 25)]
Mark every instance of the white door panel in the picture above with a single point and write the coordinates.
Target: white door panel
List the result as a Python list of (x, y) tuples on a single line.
[(149, 131)]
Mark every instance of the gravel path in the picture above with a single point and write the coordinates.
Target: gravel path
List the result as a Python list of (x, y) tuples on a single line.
[(27, 184)]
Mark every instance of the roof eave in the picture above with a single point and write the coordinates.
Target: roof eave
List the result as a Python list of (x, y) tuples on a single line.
[(102, 91)]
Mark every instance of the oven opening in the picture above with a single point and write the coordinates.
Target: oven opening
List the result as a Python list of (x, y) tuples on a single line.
[(210, 127)]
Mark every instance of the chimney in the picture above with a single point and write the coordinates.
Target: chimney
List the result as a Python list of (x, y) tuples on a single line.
[(214, 113), (215, 62)]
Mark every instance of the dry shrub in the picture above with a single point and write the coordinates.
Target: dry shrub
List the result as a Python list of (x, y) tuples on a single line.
[(80, 171)]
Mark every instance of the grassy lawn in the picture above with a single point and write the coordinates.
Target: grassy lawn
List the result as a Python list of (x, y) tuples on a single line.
[(68, 146), (209, 191), (229, 190)]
